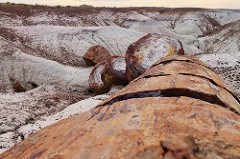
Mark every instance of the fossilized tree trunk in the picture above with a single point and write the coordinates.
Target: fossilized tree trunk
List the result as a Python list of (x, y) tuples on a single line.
[(178, 109)]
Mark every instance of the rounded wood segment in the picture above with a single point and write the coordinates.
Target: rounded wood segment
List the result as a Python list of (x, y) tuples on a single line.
[(148, 50)]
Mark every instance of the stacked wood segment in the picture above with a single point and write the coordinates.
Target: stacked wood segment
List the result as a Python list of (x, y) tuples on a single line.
[(179, 108)]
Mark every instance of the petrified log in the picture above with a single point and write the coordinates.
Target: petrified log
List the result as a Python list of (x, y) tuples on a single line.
[(108, 73), (142, 54), (168, 112), (96, 54), (96, 82), (115, 71)]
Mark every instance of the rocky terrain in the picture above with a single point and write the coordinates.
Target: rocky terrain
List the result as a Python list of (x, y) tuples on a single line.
[(44, 46)]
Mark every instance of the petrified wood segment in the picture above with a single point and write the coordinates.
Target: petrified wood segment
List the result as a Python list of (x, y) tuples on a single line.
[(108, 73), (96, 82), (115, 71), (142, 54), (172, 115), (95, 55)]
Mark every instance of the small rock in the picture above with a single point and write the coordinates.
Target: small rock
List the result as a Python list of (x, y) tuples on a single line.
[(19, 87)]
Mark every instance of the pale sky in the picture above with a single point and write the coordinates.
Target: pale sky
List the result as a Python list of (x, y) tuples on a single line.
[(231, 4)]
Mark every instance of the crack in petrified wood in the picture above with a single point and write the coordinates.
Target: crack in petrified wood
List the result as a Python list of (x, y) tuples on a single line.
[(173, 92), (188, 59), (190, 74), (176, 82)]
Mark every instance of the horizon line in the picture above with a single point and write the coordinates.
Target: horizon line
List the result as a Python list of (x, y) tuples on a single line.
[(112, 7)]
